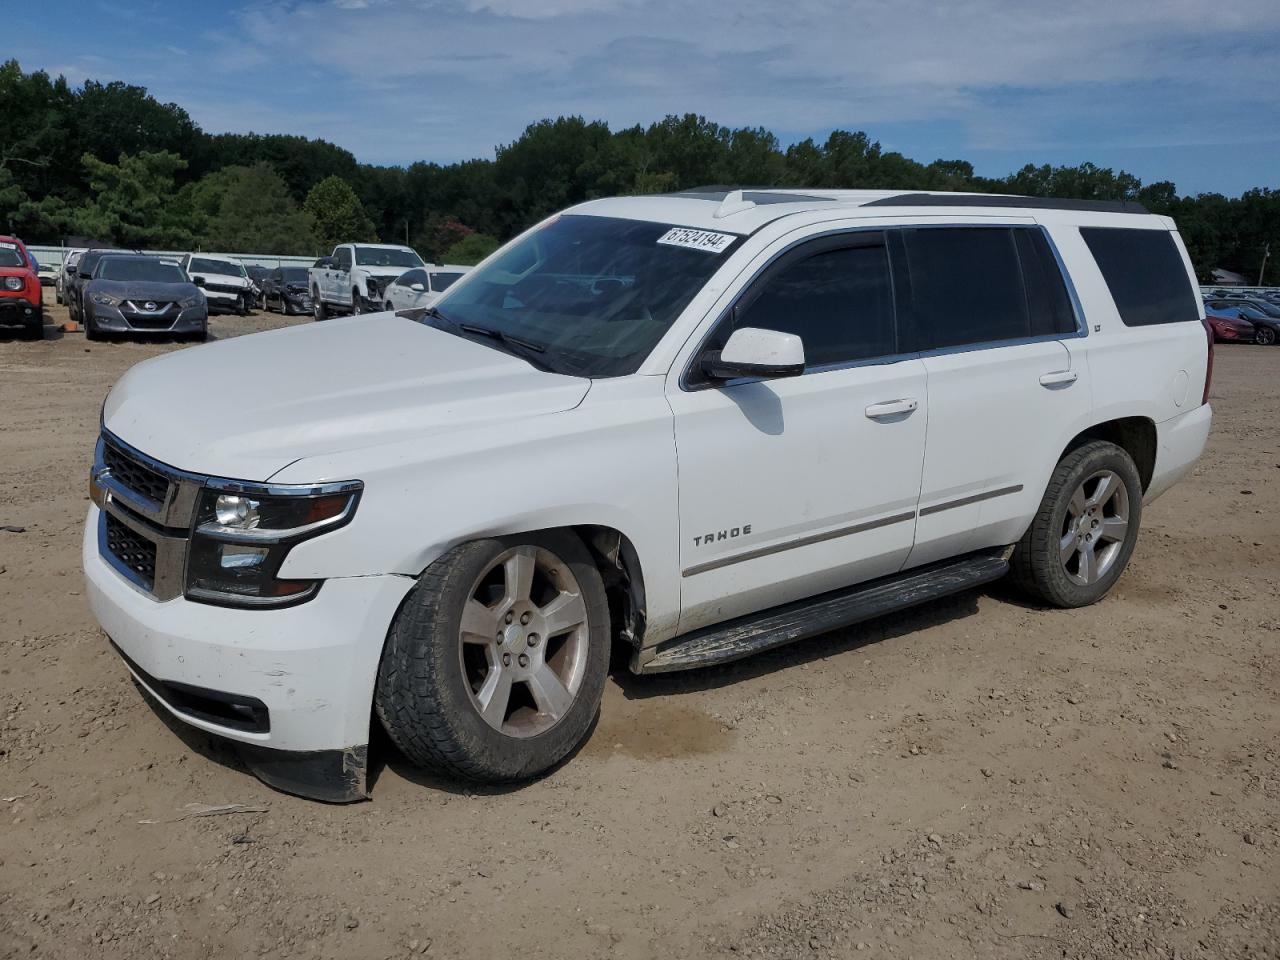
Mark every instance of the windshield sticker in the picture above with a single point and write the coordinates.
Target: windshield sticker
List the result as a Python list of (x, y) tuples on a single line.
[(8, 246), (697, 239)]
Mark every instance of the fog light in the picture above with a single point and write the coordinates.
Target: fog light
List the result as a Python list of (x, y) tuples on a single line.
[(234, 556), (239, 513)]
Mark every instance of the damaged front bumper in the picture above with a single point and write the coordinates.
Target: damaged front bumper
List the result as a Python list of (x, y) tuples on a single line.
[(291, 687)]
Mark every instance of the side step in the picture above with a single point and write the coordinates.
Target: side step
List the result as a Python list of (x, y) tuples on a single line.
[(736, 639)]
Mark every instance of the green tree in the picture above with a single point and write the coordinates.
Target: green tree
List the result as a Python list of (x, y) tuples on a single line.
[(134, 202), (471, 249), (250, 210), (338, 215)]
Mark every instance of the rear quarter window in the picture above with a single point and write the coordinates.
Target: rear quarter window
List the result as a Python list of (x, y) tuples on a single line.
[(1145, 273)]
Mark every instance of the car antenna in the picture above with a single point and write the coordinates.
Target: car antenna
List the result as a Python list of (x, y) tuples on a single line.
[(732, 203)]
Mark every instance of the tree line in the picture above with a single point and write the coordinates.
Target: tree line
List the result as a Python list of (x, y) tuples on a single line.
[(110, 162)]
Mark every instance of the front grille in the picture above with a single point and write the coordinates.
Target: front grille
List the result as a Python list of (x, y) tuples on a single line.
[(223, 288), (135, 552), (129, 473)]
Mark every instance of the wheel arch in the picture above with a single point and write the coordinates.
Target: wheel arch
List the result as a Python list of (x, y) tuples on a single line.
[(1135, 435)]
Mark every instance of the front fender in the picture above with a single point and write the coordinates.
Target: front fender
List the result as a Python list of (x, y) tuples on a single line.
[(609, 462)]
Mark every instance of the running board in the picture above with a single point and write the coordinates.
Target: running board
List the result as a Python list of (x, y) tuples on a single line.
[(745, 636)]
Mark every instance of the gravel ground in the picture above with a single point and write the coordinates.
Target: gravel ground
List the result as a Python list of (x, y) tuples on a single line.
[(975, 778)]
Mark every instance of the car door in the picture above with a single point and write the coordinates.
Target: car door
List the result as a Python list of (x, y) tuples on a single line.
[(989, 309), (340, 284), (792, 487)]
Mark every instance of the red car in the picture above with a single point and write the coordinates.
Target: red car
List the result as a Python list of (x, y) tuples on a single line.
[(21, 299), (1231, 329)]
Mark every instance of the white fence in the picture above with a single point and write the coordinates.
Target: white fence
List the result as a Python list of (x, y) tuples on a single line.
[(50, 256)]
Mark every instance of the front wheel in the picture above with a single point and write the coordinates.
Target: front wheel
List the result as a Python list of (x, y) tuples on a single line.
[(357, 303), (495, 666), (1085, 530), (1265, 336)]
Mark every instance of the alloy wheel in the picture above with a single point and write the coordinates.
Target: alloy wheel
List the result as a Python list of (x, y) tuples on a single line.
[(1095, 527), (523, 641)]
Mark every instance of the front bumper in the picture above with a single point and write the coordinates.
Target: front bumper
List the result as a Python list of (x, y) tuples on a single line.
[(110, 319), (18, 312), (293, 686)]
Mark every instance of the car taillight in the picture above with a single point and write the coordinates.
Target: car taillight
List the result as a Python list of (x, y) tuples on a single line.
[(1208, 367)]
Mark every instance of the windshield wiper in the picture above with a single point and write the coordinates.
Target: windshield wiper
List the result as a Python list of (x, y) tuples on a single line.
[(515, 345)]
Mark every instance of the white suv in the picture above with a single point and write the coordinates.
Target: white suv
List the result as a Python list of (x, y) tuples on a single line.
[(705, 423)]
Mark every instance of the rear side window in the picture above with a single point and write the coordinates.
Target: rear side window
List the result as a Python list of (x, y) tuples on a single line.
[(1048, 302), (839, 302), (1145, 273), (966, 286)]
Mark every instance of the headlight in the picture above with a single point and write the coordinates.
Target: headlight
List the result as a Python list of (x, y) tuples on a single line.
[(191, 301), (13, 283), (243, 534), (105, 299)]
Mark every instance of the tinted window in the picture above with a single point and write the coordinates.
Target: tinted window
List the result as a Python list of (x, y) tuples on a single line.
[(386, 257), (966, 286), (221, 267), (839, 302), (443, 281), (294, 274), (410, 277), (1048, 303), (343, 259), (1145, 272)]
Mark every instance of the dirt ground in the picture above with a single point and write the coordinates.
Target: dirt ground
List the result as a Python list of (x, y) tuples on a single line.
[(975, 778)]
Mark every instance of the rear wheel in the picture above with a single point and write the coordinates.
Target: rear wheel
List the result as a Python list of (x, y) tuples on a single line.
[(1084, 533), (1265, 336), (495, 666)]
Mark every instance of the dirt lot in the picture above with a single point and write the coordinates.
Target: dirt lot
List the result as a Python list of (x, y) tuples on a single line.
[(978, 778)]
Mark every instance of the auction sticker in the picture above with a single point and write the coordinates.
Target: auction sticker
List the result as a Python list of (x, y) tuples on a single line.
[(8, 246), (697, 239)]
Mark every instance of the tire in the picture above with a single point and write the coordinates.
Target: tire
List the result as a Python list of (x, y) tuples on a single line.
[(285, 309), (201, 335), (1265, 336), (388, 306), (242, 305), (357, 303), (34, 330), (91, 329), (1085, 530), (318, 310), (431, 683)]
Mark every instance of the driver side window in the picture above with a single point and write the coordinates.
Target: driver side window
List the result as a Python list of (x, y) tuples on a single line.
[(343, 258), (838, 300)]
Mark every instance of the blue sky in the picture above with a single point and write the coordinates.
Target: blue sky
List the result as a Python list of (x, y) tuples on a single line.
[(1183, 90)]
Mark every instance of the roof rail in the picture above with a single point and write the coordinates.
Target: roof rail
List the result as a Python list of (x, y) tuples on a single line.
[(1006, 200)]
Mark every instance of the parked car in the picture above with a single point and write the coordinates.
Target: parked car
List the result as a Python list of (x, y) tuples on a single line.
[(699, 425), (65, 274), (133, 293), (1266, 327), (353, 278), (286, 287), (420, 287), (85, 266), (21, 298), (47, 272), (257, 275), (1234, 329), (225, 283)]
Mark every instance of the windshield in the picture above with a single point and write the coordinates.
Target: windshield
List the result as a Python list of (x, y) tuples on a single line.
[(596, 294), (387, 257), (224, 267), (10, 255), (294, 274), (152, 271)]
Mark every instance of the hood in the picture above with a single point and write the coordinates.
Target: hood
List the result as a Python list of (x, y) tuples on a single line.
[(142, 289), (247, 407)]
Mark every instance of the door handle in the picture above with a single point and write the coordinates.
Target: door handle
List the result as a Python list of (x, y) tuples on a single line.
[(1059, 378), (890, 408)]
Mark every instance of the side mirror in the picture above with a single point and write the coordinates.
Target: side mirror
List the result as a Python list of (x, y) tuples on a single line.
[(417, 288), (752, 352), (198, 281)]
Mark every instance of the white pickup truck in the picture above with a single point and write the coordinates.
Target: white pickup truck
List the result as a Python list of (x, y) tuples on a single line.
[(354, 278), (698, 426)]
